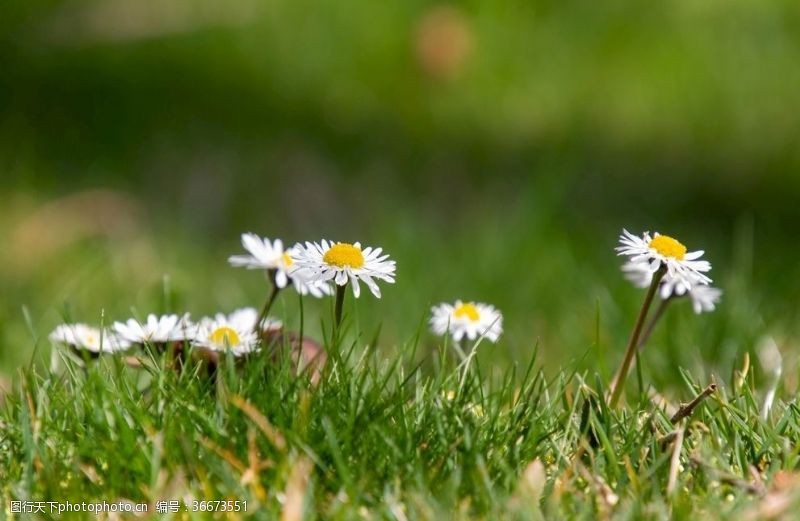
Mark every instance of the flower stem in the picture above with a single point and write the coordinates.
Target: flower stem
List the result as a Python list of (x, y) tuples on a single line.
[(337, 310), (619, 380), (459, 348), (466, 363), (267, 305), (651, 325), (302, 317)]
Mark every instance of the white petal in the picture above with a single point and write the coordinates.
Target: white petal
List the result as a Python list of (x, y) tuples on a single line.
[(356, 286)]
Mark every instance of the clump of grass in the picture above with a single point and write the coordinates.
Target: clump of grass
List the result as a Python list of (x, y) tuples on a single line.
[(414, 434), (392, 437)]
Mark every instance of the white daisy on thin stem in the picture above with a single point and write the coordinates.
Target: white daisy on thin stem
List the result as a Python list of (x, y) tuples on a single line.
[(344, 263), (670, 263), (82, 337), (466, 321), (470, 320)]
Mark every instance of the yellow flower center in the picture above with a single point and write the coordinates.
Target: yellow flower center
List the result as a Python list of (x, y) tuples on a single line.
[(344, 255), (668, 247), (91, 340), (225, 336), (287, 259), (467, 310)]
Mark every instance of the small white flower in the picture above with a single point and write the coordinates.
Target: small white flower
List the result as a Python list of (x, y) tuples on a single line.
[(704, 297), (683, 268), (342, 263), (467, 319), (264, 255), (270, 255), (234, 333), (83, 337), (156, 330)]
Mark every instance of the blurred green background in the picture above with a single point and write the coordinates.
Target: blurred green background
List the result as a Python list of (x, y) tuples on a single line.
[(494, 149)]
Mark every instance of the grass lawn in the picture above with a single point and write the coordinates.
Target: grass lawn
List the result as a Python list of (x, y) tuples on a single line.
[(399, 425), (387, 437)]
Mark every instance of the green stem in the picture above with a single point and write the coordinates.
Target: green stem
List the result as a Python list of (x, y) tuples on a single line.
[(337, 311), (651, 325), (300, 339), (267, 305), (459, 348), (302, 317), (619, 381)]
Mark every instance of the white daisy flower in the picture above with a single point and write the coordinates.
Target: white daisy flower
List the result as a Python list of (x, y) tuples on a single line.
[(234, 333), (270, 255), (342, 263), (88, 338), (155, 330), (467, 319), (264, 255), (683, 269), (704, 297)]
